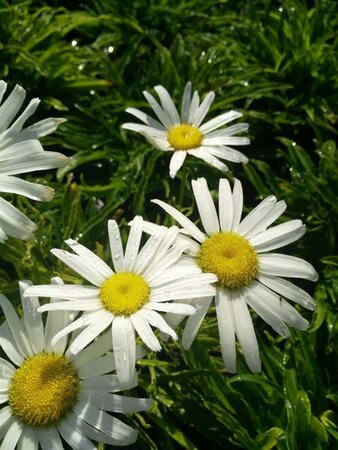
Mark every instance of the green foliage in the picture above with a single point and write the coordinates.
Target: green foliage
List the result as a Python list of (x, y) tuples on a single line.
[(274, 61)]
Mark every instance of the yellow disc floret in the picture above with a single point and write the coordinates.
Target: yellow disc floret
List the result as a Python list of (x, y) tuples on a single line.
[(124, 293), (184, 137), (43, 389), (229, 256)]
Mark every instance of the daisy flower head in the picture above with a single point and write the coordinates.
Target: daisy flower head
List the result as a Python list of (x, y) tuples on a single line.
[(239, 252), (21, 152), (49, 395), (144, 283), (185, 134)]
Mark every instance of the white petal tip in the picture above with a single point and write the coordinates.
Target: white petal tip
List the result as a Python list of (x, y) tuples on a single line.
[(48, 194), (315, 276), (310, 306), (255, 366), (59, 120), (302, 324)]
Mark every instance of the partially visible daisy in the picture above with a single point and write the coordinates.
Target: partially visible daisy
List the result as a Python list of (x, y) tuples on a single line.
[(185, 134), (21, 152), (145, 282), (238, 252), (52, 395)]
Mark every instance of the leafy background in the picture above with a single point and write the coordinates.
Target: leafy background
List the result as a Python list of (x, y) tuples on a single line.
[(276, 61)]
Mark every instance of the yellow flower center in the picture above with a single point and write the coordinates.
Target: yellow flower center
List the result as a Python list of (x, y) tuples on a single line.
[(124, 293), (184, 137), (229, 256), (43, 389)]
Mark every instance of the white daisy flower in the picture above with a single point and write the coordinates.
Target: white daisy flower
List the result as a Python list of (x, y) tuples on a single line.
[(52, 396), (238, 252), (131, 297), (21, 152), (185, 134)]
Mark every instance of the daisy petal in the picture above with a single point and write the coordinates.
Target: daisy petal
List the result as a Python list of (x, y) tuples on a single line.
[(161, 114), (106, 423), (6, 370), (270, 215), (133, 244), (34, 191), (64, 291), (246, 333), (203, 109), (193, 106), (123, 338), (73, 437), (102, 321), (80, 265), (225, 205), (194, 321), (145, 118), (92, 259), (167, 104), (116, 248), (149, 251), (161, 144), (12, 436), (98, 348), (3, 87), (176, 162), (256, 215), (25, 115), (32, 319), (81, 322), (205, 206), (9, 346), (237, 199), (288, 290), (104, 384), (43, 127), (205, 153), (56, 321), (5, 416), (278, 236), (49, 438), (182, 220), (157, 321), (10, 108), (16, 326), (28, 439), (225, 140), (117, 403), (229, 131), (100, 366), (145, 332), (186, 103), (286, 266), (14, 223), (266, 313), (219, 121), (280, 307), (226, 329), (228, 154), (173, 308)]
